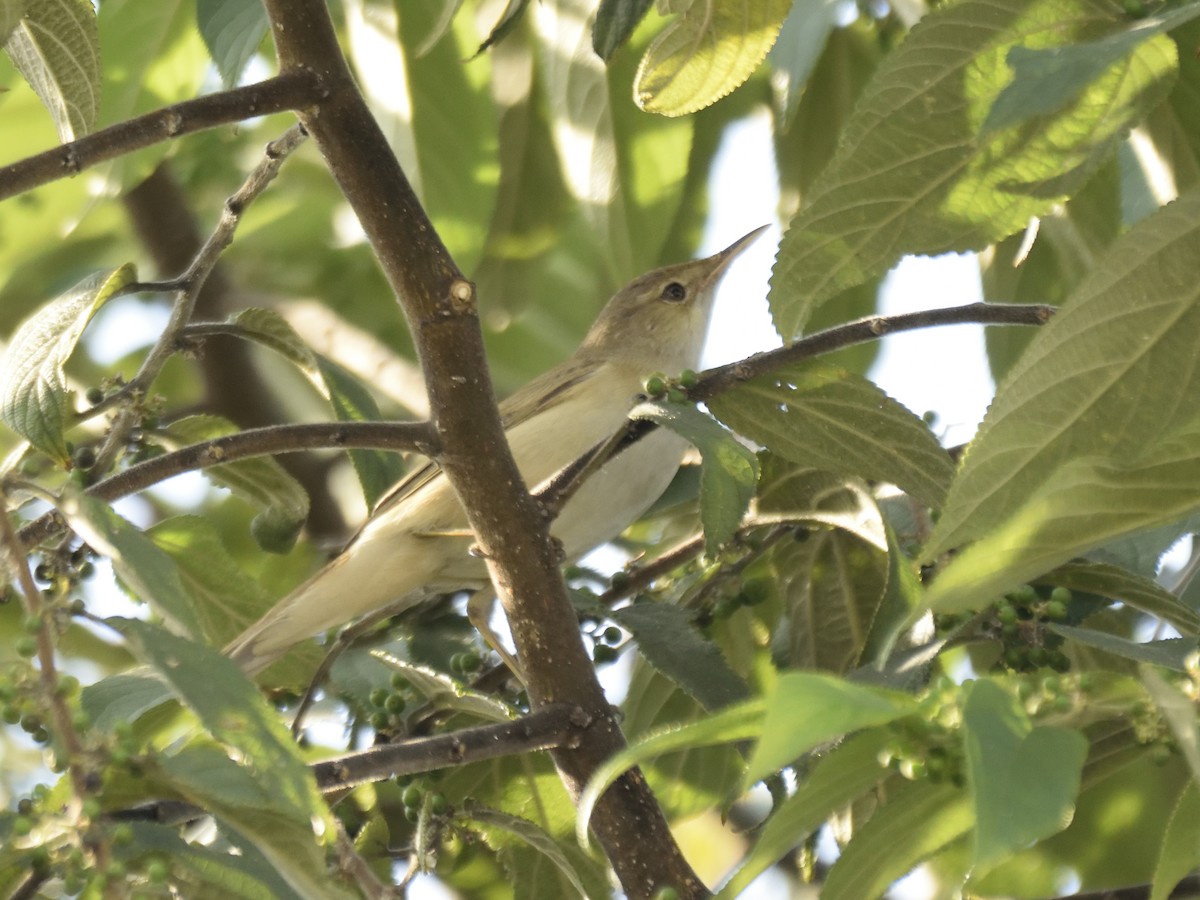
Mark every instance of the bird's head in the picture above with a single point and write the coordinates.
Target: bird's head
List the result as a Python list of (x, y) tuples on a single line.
[(660, 318)]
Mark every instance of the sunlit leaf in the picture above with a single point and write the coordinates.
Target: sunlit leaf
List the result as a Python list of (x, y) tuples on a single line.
[(706, 53), (34, 399), (952, 189), (1093, 433), (1180, 852), (56, 46)]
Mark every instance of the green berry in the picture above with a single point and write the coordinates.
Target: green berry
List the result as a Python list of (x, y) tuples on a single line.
[(22, 825), (24, 806), (677, 395), (378, 696), (398, 681), (412, 814), (438, 804), (83, 458), (394, 704), (31, 624), (1061, 595), (115, 870), (42, 572), (122, 834), (1025, 595), (157, 871), (602, 653), (94, 395), (656, 385), (412, 796), (688, 378), (27, 647), (380, 720), (1006, 614), (469, 662), (611, 635), (91, 808)]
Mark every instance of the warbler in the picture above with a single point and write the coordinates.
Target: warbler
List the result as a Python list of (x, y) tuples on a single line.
[(416, 542)]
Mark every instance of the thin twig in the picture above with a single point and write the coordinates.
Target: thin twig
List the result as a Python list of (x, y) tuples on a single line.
[(720, 379), (417, 437), (357, 868), (187, 288), (294, 89)]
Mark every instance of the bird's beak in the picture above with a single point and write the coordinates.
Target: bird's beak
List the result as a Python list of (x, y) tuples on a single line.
[(722, 259)]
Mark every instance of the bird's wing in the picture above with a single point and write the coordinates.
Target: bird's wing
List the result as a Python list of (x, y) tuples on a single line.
[(546, 390)]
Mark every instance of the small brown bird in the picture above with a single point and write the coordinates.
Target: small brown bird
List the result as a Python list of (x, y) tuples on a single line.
[(415, 544)]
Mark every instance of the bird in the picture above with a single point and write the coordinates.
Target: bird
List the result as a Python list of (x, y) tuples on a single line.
[(416, 543)]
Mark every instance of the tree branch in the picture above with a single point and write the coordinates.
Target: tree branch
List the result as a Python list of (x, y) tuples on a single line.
[(552, 726), (722, 378), (294, 89), (418, 437), (439, 304)]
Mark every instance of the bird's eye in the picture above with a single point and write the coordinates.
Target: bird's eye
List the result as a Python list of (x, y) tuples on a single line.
[(674, 292)]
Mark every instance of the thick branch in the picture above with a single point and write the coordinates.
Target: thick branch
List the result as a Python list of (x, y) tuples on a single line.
[(556, 725), (418, 437), (294, 89), (440, 306)]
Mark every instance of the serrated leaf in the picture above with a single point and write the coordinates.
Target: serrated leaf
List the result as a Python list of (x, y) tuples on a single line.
[(56, 46), (789, 492), (226, 599), (1023, 780), (439, 689), (1048, 79), (34, 399), (730, 470), (615, 22), (821, 416), (1179, 854), (804, 709), (260, 481), (706, 53), (1094, 433), (848, 772), (149, 573), (919, 819), (904, 594), (257, 781), (668, 639), (1125, 587), (232, 31), (952, 189), (1170, 653)]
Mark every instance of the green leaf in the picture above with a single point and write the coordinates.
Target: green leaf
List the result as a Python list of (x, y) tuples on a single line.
[(226, 600), (1180, 851), (11, 12), (668, 639), (802, 40), (258, 781), (822, 416), (153, 57), (804, 710), (729, 725), (848, 772), (918, 819), (537, 838), (1180, 713), (1170, 653), (149, 573), (439, 690), (1023, 780), (730, 469), (1133, 590), (260, 481), (377, 470), (504, 24), (905, 593), (1048, 79), (34, 399), (706, 53), (56, 46), (232, 31), (124, 697), (350, 399), (952, 189), (615, 22), (1093, 434), (789, 492)]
